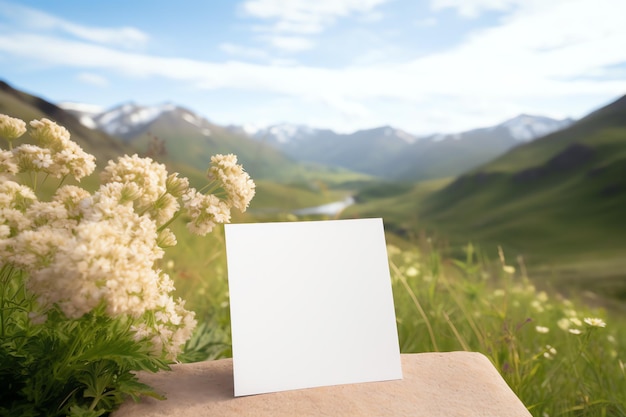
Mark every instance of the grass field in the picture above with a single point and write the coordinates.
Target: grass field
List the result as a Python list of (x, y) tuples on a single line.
[(557, 364)]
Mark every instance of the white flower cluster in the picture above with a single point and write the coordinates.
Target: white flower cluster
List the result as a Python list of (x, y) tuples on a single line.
[(238, 186), (84, 251), (11, 128), (55, 154)]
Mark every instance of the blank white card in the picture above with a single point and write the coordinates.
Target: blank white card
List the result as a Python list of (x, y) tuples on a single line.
[(311, 305)]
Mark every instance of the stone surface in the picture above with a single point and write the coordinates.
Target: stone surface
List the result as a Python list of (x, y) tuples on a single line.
[(435, 384)]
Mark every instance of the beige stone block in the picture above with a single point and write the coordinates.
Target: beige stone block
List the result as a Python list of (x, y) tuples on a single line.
[(463, 384)]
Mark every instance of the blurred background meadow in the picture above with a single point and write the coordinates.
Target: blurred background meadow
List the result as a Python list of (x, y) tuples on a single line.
[(490, 136)]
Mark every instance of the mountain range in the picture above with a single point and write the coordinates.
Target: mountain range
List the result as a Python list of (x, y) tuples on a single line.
[(560, 196), (556, 198), (555, 205), (27, 107), (384, 152)]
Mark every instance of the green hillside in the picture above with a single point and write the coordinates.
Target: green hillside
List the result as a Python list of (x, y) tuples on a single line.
[(558, 201), (27, 107), (283, 185), (186, 144)]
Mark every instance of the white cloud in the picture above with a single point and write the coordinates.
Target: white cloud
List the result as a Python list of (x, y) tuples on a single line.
[(290, 43), (289, 21), (539, 53), (306, 16), (93, 79), (40, 21), (473, 8), (243, 51)]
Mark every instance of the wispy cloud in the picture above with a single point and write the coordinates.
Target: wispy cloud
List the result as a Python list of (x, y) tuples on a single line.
[(538, 52), (39, 21), (288, 22), (92, 79), (290, 43), (473, 8), (305, 16), (242, 51)]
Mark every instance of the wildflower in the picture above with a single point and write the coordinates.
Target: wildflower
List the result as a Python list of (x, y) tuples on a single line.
[(8, 164), (150, 177), (49, 135), (575, 331), (549, 352), (176, 185), (594, 322), (236, 182), (166, 238), (564, 323), (411, 271), (72, 160), (537, 306), (393, 250), (576, 321), (205, 211), (11, 128), (499, 293), (55, 153), (542, 329), (32, 158), (80, 251), (508, 269)]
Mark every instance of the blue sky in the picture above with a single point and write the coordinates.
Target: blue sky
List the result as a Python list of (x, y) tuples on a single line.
[(422, 66)]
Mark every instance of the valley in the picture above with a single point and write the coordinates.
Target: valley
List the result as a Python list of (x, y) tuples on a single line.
[(550, 193)]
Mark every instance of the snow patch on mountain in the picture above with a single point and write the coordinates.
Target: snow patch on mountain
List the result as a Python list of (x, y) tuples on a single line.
[(526, 127), (281, 133), (129, 117), (407, 137)]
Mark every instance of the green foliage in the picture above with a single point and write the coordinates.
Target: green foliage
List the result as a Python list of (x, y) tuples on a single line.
[(77, 367), (556, 363), (472, 304)]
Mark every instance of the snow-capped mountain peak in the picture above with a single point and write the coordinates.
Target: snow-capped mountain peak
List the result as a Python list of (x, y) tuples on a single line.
[(128, 117), (527, 127), (285, 133)]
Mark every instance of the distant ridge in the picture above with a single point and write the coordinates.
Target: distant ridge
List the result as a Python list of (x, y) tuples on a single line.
[(186, 137), (27, 107), (565, 191), (394, 154)]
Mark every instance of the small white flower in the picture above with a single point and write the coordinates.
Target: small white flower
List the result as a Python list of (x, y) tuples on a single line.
[(549, 352), (576, 321), (594, 322), (574, 331), (542, 329), (564, 323), (11, 128), (411, 271), (508, 269)]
